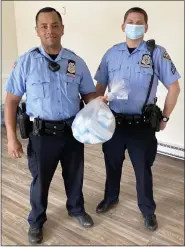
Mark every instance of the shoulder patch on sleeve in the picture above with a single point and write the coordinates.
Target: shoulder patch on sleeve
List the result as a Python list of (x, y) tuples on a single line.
[(166, 55), (14, 65), (173, 68)]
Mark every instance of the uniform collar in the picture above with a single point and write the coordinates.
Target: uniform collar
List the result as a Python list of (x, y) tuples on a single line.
[(62, 54), (141, 46)]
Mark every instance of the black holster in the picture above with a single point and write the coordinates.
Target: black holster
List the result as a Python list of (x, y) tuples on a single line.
[(23, 121), (153, 115), (151, 112)]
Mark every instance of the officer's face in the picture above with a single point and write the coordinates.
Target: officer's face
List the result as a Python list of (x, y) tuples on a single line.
[(49, 29), (136, 19)]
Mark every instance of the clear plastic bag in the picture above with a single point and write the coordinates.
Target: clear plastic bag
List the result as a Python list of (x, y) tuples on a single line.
[(95, 123), (118, 90)]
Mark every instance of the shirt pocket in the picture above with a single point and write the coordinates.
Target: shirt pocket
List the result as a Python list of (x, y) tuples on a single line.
[(143, 76), (38, 87), (114, 72), (71, 85)]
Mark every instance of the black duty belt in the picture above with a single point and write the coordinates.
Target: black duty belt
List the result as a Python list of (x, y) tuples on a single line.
[(127, 119), (52, 128)]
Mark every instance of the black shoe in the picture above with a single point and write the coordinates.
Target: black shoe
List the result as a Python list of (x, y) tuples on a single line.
[(104, 207), (151, 222), (84, 220), (35, 235)]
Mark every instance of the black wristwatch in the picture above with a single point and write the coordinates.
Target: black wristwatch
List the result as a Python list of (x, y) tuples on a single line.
[(165, 119)]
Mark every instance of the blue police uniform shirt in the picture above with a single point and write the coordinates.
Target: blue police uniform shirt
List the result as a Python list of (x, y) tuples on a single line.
[(135, 70), (50, 95)]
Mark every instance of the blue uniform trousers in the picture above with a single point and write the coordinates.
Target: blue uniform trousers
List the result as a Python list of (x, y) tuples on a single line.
[(141, 143), (44, 153)]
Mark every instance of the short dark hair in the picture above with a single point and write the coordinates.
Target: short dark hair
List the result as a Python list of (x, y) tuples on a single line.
[(137, 10), (46, 10)]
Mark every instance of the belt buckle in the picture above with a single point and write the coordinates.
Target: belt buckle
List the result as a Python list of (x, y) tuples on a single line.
[(59, 131), (54, 128)]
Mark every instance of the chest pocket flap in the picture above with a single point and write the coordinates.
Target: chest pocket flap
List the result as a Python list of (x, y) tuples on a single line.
[(113, 67), (143, 76), (71, 85), (38, 86), (144, 71), (71, 79), (114, 70)]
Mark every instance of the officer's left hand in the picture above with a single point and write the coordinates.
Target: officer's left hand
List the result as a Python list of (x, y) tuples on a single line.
[(162, 125)]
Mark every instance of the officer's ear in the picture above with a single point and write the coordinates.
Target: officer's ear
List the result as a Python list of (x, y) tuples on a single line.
[(123, 27), (36, 29), (146, 28), (62, 29)]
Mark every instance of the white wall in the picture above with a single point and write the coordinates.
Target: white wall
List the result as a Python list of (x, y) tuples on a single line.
[(9, 41), (92, 27)]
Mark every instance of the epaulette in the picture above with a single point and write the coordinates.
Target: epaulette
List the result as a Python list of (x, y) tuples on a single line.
[(121, 43), (71, 51), (32, 49)]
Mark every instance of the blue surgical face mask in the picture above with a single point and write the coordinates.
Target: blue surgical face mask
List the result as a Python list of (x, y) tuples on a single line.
[(134, 31)]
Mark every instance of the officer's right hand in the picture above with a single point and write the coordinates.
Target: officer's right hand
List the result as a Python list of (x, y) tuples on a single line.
[(15, 148), (103, 98)]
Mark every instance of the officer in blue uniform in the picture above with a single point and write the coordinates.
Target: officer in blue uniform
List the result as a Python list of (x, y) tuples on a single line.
[(52, 78), (130, 63)]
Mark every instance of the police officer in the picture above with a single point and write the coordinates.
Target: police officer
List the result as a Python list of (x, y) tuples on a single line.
[(131, 63), (52, 78)]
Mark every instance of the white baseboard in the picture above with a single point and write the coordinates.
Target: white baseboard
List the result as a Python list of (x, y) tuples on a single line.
[(171, 150)]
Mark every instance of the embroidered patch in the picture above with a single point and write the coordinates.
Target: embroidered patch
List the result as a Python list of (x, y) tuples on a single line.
[(173, 68), (166, 55), (146, 61), (71, 68), (14, 65)]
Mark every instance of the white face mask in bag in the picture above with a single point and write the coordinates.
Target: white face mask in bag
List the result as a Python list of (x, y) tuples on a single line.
[(95, 123)]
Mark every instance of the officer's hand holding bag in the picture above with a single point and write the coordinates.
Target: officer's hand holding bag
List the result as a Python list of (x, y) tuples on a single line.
[(95, 123)]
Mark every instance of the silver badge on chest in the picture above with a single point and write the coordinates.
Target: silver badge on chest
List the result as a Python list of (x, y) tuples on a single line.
[(146, 61), (71, 68)]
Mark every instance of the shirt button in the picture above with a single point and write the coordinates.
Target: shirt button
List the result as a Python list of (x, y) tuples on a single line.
[(58, 101), (127, 67), (57, 88), (59, 113)]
